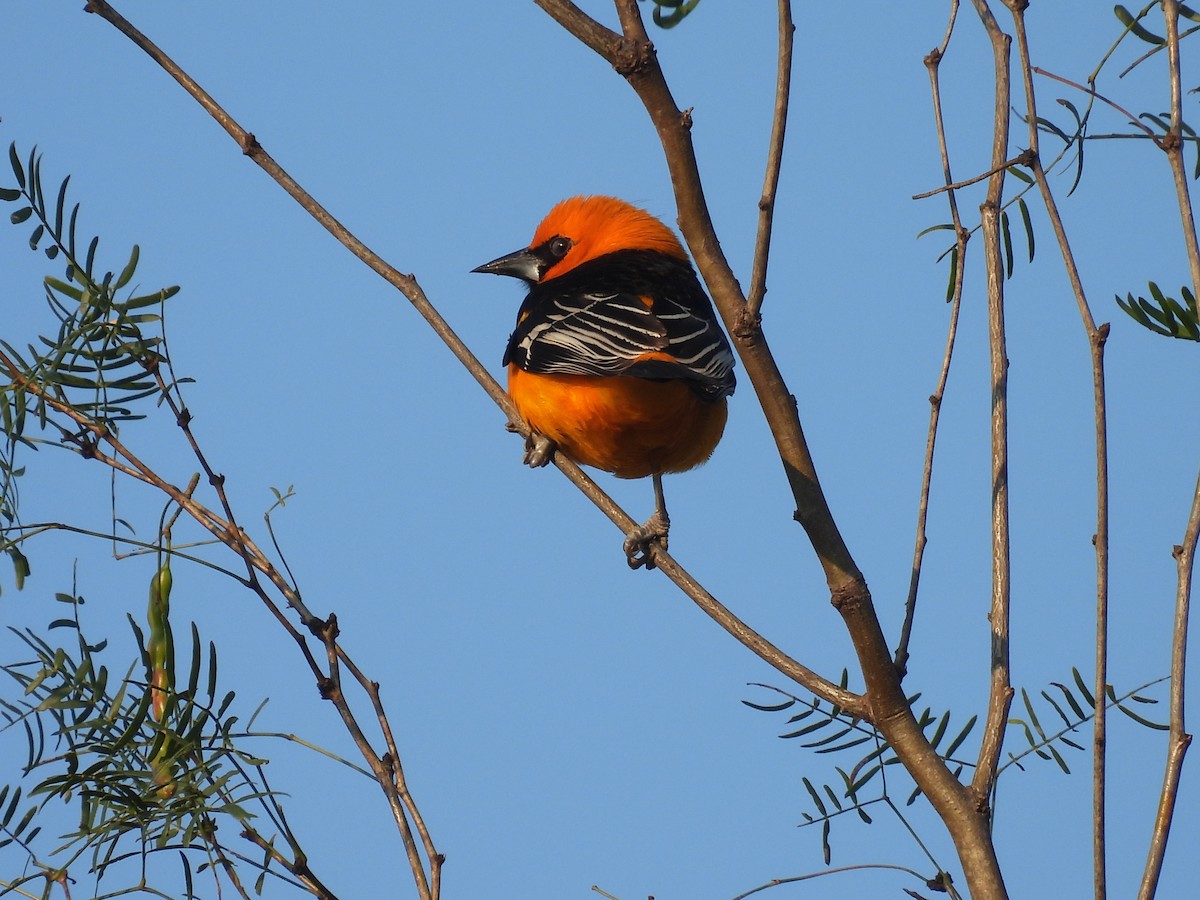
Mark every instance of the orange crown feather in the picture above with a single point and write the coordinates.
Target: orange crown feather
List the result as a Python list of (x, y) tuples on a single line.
[(598, 225)]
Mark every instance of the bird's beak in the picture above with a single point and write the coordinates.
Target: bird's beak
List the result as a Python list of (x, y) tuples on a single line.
[(523, 264)]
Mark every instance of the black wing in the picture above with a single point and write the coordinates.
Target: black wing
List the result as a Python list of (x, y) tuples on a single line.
[(641, 314)]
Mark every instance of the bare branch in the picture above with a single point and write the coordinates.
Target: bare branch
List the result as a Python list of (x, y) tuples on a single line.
[(776, 882), (1091, 92), (1001, 693), (1096, 342), (766, 203), (961, 235), (635, 60), (1178, 739), (1021, 159)]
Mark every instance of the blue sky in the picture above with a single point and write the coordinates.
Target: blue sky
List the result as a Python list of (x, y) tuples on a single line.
[(565, 722)]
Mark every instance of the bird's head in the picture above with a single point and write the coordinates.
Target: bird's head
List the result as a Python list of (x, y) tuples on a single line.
[(580, 229)]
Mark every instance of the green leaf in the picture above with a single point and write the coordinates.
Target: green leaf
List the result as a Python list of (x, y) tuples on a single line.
[(953, 274), (1006, 236), (1135, 28), (1032, 714), (9, 194), (778, 707), (1062, 763), (962, 736), (1157, 726), (816, 798), (1050, 126), (21, 215), (1083, 688), (808, 729), (89, 265), (1163, 125), (940, 731), (833, 798), (679, 10), (947, 226), (59, 206), (21, 569), (1017, 173), (130, 267), (36, 237), (1028, 224), (16, 165)]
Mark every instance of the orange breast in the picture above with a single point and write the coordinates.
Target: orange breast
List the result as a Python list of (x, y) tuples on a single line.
[(631, 427)]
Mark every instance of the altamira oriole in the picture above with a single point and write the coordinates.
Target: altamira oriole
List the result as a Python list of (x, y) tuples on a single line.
[(617, 359)]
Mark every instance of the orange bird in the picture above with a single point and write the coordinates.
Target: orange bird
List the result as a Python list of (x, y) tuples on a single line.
[(617, 359)]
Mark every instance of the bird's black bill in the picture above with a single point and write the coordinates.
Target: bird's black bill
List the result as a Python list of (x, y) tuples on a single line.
[(523, 264)]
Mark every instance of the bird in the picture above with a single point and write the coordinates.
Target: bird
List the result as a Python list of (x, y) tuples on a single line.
[(617, 359)]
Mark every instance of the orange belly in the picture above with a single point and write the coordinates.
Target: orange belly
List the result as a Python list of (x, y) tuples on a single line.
[(631, 427)]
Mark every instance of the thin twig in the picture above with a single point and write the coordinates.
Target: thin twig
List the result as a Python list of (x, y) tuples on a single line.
[(1001, 691), (298, 868), (1091, 92), (1178, 739), (961, 235), (1097, 337), (776, 882), (1149, 53), (1021, 159), (766, 203)]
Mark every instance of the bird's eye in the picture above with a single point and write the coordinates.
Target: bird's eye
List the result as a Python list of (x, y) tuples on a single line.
[(559, 246)]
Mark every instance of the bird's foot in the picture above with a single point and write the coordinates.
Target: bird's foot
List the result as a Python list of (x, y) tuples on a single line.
[(539, 450), (640, 542)]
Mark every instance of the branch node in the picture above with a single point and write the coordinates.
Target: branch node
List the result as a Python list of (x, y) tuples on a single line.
[(979, 801), (748, 328), (685, 119), (632, 57), (249, 144), (184, 419), (329, 629), (325, 687), (217, 481), (933, 58), (849, 594), (1102, 334)]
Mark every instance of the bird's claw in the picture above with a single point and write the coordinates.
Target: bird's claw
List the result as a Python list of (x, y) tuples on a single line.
[(640, 542), (539, 449)]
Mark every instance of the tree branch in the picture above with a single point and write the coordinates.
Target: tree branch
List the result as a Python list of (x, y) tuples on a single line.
[(1001, 693), (634, 59), (961, 235), (766, 203), (1178, 739), (1096, 338)]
